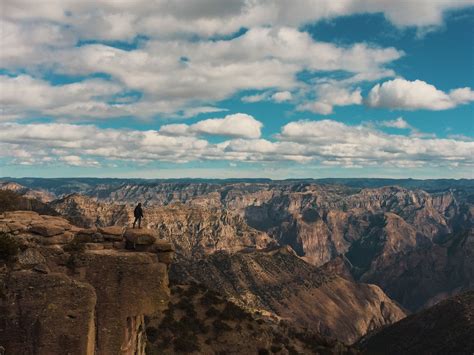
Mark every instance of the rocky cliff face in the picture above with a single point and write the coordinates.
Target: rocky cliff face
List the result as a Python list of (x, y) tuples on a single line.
[(278, 283), (68, 290)]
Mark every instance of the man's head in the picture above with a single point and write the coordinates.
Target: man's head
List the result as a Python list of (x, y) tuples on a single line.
[(139, 204)]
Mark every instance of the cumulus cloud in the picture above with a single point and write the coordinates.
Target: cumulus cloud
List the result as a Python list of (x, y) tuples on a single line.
[(365, 146), (282, 96), (25, 94), (174, 74), (332, 94), (399, 123), (111, 20), (235, 125), (279, 96), (75, 160), (324, 142), (412, 95), (266, 59)]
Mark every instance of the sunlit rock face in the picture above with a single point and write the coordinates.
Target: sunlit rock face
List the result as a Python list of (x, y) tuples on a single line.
[(276, 281)]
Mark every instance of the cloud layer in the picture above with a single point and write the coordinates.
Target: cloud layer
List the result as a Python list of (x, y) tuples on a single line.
[(327, 142)]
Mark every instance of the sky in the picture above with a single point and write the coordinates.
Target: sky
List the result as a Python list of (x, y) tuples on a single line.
[(237, 88)]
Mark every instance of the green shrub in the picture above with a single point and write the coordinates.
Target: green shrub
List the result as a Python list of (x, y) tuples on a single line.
[(9, 247)]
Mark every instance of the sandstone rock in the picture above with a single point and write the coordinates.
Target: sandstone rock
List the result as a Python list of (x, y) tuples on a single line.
[(45, 229), (87, 231), (56, 314), (23, 216), (162, 246), (128, 286), (43, 311), (93, 246), (16, 226), (57, 221), (112, 238), (140, 236), (165, 257), (90, 235), (111, 230), (63, 238)]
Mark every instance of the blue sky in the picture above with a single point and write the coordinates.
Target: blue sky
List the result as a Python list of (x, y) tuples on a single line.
[(285, 89)]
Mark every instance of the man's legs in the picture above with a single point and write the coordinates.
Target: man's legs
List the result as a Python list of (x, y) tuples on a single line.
[(139, 222), (135, 221)]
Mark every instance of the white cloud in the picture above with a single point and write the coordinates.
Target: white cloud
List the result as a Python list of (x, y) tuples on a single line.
[(282, 96), (256, 98), (111, 20), (235, 125), (75, 160), (24, 94), (279, 96), (261, 59), (412, 95), (365, 146), (399, 123), (330, 94)]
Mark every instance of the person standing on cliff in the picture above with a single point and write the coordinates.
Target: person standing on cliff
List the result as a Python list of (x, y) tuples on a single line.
[(138, 213)]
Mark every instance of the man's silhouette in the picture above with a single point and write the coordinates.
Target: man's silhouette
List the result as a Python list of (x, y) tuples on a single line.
[(138, 213)]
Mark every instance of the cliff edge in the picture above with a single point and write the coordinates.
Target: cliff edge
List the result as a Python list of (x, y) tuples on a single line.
[(66, 290)]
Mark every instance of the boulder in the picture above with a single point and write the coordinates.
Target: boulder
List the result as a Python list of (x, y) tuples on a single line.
[(140, 236), (112, 230), (46, 229), (57, 221), (63, 238)]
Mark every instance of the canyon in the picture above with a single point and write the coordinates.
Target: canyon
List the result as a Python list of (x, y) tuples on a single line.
[(340, 261)]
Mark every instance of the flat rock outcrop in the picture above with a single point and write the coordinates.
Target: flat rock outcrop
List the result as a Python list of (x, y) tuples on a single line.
[(140, 236), (67, 290)]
